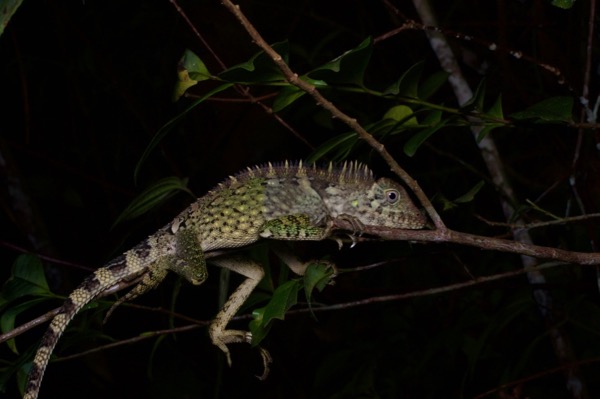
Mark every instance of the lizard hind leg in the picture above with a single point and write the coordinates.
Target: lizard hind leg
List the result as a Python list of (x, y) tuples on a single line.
[(152, 278), (218, 332)]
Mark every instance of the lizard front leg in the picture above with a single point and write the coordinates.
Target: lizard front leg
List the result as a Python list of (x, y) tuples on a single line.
[(300, 227), (187, 261), (217, 331), (297, 227)]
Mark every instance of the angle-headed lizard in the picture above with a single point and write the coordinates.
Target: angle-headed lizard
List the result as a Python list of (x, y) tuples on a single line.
[(282, 202)]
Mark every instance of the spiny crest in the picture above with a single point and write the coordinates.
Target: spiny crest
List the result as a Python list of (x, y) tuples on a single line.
[(348, 172)]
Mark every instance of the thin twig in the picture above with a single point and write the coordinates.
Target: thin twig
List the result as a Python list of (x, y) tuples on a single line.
[(47, 258), (585, 91), (198, 35), (428, 291), (325, 308), (530, 226), (51, 313), (539, 375), (133, 340), (240, 89), (428, 27), (112, 290)]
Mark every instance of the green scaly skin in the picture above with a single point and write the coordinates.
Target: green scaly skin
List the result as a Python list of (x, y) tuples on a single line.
[(282, 202)]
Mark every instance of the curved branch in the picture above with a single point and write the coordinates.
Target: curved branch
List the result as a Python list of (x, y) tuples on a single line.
[(295, 80)]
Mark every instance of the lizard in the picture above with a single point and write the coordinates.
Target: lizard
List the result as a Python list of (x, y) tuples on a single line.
[(288, 201)]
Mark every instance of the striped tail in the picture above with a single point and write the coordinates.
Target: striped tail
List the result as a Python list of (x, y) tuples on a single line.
[(102, 279)]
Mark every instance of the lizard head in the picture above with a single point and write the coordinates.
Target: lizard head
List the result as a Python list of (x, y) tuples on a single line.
[(387, 204)]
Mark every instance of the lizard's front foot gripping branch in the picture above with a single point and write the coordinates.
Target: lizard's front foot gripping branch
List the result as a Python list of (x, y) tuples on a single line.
[(221, 338)]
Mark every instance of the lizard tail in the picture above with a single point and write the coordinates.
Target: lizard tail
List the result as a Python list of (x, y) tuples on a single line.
[(102, 279)]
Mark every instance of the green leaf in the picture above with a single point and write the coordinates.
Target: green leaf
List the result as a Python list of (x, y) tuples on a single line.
[(413, 144), (489, 126), (432, 84), (20, 368), (396, 120), (28, 267), (403, 114), (553, 109), (408, 84), (433, 118), (153, 196), (349, 68), (444, 202), (341, 144), (284, 297), (27, 278), (466, 197), (564, 4), (470, 195), (190, 71), (7, 320), (317, 275), (260, 68), (166, 128), (7, 10), (496, 109), (286, 96), (195, 66), (475, 103)]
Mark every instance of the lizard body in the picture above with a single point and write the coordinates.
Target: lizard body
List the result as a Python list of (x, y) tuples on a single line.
[(281, 202)]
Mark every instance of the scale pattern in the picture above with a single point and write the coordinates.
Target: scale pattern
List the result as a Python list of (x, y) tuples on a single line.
[(288, 201)]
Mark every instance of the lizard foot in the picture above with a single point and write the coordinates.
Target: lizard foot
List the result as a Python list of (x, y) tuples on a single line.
[(221, 338), (357, 228)]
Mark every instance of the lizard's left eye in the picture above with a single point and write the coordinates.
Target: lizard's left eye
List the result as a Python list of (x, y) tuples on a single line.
[(392, 196)]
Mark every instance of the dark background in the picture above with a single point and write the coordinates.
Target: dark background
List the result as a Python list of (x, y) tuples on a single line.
[(85, 85)]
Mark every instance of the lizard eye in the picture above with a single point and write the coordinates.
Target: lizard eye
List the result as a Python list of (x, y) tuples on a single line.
[(392, 196)]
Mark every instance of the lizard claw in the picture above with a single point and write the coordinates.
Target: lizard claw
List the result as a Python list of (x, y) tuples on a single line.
[(267, 360), (222, 338), (354, 240), (357, 229), (339, 241), (357, 226)]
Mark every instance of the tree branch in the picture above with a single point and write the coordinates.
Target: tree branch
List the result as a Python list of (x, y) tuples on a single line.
[(295, 80)]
